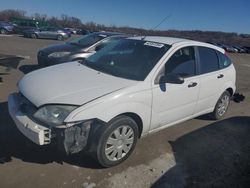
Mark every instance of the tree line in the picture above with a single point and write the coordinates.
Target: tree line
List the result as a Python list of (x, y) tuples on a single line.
[(74, 22)]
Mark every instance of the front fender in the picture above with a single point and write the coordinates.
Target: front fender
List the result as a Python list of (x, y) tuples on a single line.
[(109, 107)]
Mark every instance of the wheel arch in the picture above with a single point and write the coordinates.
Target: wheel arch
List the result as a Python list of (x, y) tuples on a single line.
[(230, 90), (136, 118)]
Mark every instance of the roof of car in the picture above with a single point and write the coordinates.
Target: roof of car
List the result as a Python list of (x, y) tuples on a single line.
[(108, 33), (160, 39), (172, 41)]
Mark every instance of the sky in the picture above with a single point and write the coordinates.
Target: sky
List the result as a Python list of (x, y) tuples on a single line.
[(206, 15)]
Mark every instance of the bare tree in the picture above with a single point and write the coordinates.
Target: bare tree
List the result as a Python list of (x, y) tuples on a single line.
[(6, 15)]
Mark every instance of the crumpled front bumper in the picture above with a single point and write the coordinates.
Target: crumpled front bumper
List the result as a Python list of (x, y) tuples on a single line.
[(35, 132), (69, 139)]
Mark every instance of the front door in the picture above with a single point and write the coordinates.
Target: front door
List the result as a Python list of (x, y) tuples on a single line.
[(174, 102)]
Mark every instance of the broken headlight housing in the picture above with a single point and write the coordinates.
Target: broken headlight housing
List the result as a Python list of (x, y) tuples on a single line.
[(53, 114)]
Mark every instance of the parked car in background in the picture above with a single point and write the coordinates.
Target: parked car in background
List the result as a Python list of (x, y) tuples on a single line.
[(71, 30), (247, 48), (22, 27), (48, 33), (227, 47), (23, 24), (6, 28), (130, 88), (83, 32), (76, 49), (240, 49)]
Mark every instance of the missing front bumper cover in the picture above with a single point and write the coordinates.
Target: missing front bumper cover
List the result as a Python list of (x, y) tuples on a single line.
[(73, 139)]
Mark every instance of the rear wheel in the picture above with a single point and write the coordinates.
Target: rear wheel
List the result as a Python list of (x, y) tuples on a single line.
[(59, 37), (221, 106), (33, 36), (117, 142)]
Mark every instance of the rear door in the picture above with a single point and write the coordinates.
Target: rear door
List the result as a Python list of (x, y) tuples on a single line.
[(174, 102), (43, 32), (52, 33), (211, 78)]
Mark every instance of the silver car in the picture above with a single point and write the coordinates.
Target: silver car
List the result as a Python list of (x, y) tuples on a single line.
[(48, 33)]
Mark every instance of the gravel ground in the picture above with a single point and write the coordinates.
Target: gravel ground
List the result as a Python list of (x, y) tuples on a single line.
[(196, 153)]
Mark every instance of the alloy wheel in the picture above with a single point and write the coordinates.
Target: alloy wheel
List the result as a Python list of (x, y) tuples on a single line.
[(223, 105)]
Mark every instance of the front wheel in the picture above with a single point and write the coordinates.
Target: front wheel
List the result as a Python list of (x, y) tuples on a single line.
[(221, 106), (3, 31), (117, 141)]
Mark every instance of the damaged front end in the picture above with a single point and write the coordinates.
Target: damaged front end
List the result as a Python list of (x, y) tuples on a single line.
[(75, 138)]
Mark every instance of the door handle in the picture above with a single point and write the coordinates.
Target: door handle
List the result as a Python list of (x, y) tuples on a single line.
[(193, 84), (220, 76)]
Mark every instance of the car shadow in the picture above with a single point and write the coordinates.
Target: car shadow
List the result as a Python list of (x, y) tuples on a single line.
[(29, 68), (217, 155), (14, 145)]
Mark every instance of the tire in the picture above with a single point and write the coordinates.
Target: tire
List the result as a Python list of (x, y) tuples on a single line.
[(221, 106), (3, 31), (33, 36), (112, 148), (59, 37)]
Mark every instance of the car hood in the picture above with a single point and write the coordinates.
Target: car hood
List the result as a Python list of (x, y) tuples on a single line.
[(70, 83), (65, 47)]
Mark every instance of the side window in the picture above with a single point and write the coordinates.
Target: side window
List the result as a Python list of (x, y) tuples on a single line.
[(224, 60), (182, 62), (209, 61), (44, 29)]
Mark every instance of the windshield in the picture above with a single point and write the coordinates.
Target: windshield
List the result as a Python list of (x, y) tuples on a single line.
[(88, 40), (127, 58)]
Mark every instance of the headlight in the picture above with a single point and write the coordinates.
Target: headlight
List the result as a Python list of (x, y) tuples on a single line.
[(58, 54), (53, 114)]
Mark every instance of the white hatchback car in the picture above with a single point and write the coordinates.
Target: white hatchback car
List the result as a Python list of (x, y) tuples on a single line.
[(128, 89)]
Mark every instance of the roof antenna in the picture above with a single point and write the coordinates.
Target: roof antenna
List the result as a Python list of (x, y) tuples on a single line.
[(162, 21)]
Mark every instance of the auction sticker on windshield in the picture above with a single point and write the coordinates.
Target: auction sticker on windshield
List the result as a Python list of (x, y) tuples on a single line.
[(154, 44)]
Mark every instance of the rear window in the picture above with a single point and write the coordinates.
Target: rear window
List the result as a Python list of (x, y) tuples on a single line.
[(224, 60), (209, 61)]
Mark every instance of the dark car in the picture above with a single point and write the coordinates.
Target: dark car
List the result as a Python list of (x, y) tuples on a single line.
[(83, 32), (241, 49), (77, 49), (22, 27), (6, 28), (247, 48), (48, 33), (228, 48)]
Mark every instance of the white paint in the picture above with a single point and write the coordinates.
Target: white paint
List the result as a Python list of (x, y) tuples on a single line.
[(104, 96)]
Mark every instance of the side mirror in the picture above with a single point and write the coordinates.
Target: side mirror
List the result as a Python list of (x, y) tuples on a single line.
[(172, 78)]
